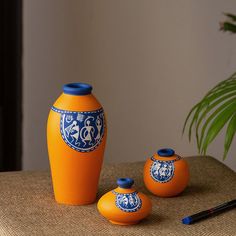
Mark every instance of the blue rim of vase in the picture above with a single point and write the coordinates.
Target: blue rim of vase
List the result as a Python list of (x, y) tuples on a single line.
[(125, 182), (166, 152), (77, 89)]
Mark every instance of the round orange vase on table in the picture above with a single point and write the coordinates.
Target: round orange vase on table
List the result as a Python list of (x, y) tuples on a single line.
[(76, 138), (166, 174), (124, 205)]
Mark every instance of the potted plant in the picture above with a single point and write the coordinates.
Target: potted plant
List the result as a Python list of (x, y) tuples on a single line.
[(216, 109)]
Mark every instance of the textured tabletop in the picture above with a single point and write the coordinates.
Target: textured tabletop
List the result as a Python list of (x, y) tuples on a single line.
[(27, 206)]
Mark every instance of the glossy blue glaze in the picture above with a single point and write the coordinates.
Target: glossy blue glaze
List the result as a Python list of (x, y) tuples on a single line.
[(125, 182), (77, 89), (166, 152)]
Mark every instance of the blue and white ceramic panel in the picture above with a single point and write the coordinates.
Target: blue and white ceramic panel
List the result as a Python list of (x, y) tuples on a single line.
[(82, 131), (162, 171), (128, 202)]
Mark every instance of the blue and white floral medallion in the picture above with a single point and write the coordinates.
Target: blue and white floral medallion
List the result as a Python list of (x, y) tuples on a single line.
[(128, 202), (82, 131), (162, 171)]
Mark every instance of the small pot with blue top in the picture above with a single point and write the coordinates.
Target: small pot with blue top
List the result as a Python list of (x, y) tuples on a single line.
[(166, 174), (124, 205)]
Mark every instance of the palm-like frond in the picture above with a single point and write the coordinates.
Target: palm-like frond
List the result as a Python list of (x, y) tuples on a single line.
[(208, 117), (230, 16), (228, 25)]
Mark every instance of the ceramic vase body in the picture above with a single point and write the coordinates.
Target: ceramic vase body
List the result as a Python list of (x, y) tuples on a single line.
[(166, 174), (124, 205), (76, 137)]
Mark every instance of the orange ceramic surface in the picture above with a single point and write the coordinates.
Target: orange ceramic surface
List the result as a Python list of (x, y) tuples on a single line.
[(75, 174), (166, 176), (124, 206)]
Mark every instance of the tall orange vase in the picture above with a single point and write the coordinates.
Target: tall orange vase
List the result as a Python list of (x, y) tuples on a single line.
[(76, 138)]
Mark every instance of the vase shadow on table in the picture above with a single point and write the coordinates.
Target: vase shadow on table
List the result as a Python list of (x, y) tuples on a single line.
[(196, 189), (104, 189), (152, 219)]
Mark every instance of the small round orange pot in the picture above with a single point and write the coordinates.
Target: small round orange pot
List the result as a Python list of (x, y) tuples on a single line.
[(166, 174), (124, 205), (76, 137)]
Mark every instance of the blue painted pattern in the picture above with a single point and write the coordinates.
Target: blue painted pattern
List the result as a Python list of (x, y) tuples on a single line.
[(82, 131), (162, 171), (128, 202)]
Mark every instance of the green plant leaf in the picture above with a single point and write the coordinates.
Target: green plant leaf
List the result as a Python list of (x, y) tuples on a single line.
[(200, 107), (219, 86), (229, 81), (217, 124), (231, 16), (212, 116), (230, 132), (228, 26), (209, 109), (188, 116), (223, 87), (203, 104)]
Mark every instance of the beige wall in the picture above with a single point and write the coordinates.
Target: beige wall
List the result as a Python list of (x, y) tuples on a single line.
[(148, 60)]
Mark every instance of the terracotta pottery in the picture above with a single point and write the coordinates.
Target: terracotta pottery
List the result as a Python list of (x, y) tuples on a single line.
[(166, 174), (124, 205), (76, 137)]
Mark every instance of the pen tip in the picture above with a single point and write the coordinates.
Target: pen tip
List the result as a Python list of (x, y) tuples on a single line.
[(187, 220)]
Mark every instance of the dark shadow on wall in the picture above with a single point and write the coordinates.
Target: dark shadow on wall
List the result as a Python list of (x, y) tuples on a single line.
[(10, 85)]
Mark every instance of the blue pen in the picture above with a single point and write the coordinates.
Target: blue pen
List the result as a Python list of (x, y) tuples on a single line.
[(208, 213)]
